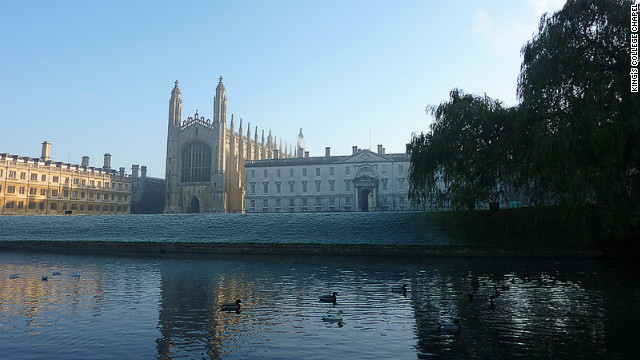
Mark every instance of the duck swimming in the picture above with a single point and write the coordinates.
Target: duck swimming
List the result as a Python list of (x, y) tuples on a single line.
[(329, 316), (231, 307), (329, 298), (13, 276), (400, 289), (450, 327), (482, 296), (44, 278)]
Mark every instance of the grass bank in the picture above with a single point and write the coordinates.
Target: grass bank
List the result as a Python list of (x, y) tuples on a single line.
[(534, 227)]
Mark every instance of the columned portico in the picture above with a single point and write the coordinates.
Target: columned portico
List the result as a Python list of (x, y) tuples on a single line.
[(366, 192)]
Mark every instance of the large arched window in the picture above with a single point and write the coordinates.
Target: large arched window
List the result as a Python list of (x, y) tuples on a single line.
[(196, 163)]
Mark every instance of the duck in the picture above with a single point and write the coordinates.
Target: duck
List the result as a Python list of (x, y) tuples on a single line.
[(400, 289), (56, 273), (329, 298), (481, 296), (44, 278), (13, 276), (76, 275), (329, 316), (231, 306), (450, 327)]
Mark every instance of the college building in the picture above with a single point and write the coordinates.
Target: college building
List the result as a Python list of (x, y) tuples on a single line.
[(40, 186), (362, 181)]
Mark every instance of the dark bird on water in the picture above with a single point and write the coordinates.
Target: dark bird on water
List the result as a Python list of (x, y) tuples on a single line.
[(231, 306), (329, 298)]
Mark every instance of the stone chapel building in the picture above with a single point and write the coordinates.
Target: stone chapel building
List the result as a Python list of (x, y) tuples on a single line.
[(205, 169)]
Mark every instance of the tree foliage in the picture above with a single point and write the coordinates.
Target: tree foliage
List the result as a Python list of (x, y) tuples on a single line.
[(464, 159), (574, 138)]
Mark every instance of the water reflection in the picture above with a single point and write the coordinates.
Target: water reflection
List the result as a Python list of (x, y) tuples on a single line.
[(169, 307)]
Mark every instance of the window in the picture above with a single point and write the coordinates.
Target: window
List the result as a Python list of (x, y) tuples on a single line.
[(266, 172), (9, 205), (317, 185), (76, 181), (384, 184), (384, 169), (113, 197), (253, 173), (1, 172), (113, 185), (347, 170), (90, 195), (43, 178), (43, 191), (74, 206), (54, 206), (34, 177), (64, 206), (304, 186), (304, 172), (55, 179), (106, 196), (253, 203), (66, 180), (332, 201), (41, 206), (265, 203), (82, 195), (106, 184), (400, 168), (253, 188), (278, 187), (278, 203), (317, 171), (20, 204), (304, 201), (318, 202), (266, 187), (54, 192), (0, 188), (23, 176), (331, 185), (84, 182), (278, 172), (12, 174), (196, 163), (290, 172), (119, 197), (331, 170), (74, 194), (401, 184), (90, 207), (99, 183), (11, 189), (347, 185), (290, 202), (22, 190), (291, 186), (66, 193)]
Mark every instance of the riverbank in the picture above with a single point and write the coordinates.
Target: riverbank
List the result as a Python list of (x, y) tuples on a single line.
[(303, 249)]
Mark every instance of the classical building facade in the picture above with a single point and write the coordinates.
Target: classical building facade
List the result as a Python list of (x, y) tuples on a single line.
[(205, 159), (362, 181), (40, 186)]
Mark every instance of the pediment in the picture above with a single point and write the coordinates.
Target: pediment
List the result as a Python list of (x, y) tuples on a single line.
[(365, 156)]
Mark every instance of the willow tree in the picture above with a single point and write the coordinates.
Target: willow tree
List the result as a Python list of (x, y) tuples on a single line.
[(465, 158), (581, 121)]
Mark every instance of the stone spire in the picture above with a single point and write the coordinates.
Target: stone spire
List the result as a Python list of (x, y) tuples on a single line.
[(175, 106), (220, 104), (231, 126)]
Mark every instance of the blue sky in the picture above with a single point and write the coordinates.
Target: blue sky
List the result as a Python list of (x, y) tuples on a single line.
[(95, 76)]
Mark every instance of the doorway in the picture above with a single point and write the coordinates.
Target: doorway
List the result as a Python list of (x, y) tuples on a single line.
[(195, 205), (365, 199)]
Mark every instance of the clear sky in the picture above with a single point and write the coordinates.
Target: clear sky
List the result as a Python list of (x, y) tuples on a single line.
[(96, 76)]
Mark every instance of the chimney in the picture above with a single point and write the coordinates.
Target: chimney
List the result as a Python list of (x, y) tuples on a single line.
[(354, 150), (306, 154), (380, 149), (143, 170), (327, 151), (85, 161), (276, 154), (384, 151), (46, 151), (122, 171), (134, 170), (107, 161)]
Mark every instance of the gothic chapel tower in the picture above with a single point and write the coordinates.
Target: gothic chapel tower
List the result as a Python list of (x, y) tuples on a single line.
[(205, 159)]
